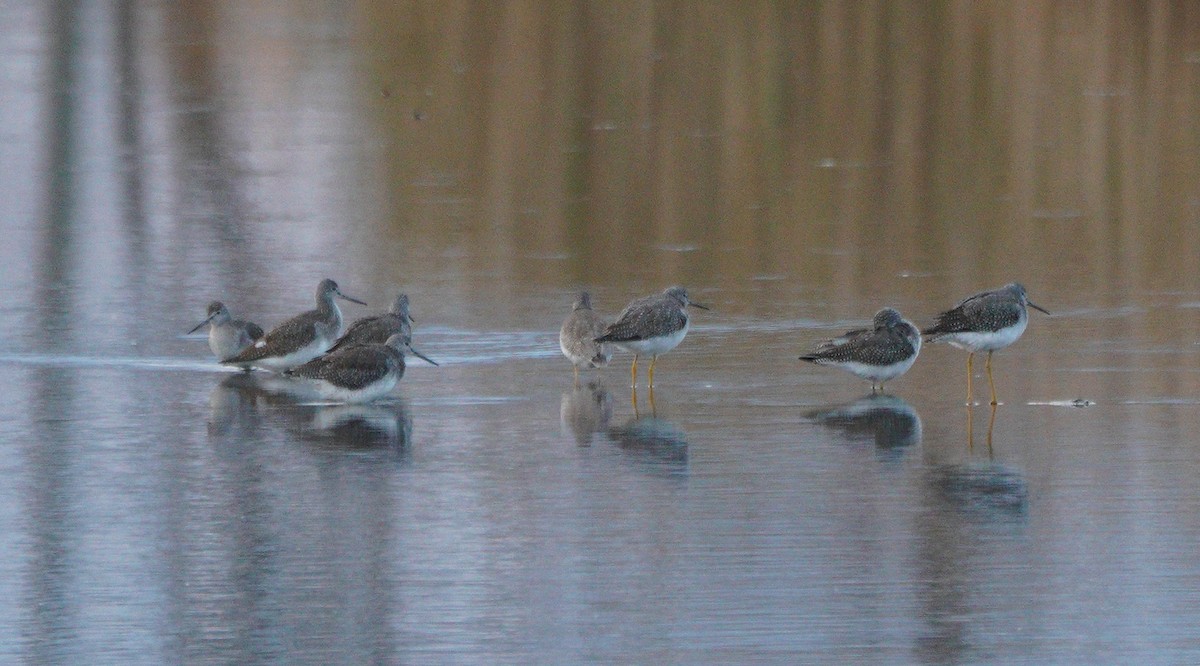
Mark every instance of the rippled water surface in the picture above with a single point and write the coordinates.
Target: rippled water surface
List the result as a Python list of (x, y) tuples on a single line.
[(795, 166)]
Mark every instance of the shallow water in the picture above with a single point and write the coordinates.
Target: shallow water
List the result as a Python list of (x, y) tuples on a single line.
[(795, 167)]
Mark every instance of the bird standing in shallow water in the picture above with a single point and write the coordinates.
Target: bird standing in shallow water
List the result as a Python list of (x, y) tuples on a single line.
[(987, 321), (358, 373), (301, 338), (879, 354), (378, 328), (651, 325), (227, 336), (577, 337)]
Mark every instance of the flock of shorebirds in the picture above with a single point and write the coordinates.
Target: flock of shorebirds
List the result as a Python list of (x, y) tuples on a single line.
[(360, 365), (654, 325), (366, 361)]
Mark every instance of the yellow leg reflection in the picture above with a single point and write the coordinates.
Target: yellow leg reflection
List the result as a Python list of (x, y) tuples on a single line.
[(991, 425), (970, 427), (991, 384), (633, 371), (576, 375), (653, 409), (634, 398), (970, 371)]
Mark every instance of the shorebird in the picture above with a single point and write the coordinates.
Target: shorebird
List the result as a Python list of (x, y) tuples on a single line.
[(577, 337), (301, 338), (378, 328), (651, 325), (227, 336), (879, 354), (358, 373), (987, 321)]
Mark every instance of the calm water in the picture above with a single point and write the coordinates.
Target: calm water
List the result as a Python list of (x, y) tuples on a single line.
[(796, 166)]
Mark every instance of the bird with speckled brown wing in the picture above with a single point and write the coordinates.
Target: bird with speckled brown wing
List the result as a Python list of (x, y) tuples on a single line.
[(987, 321), (358, 373), (376, 329), (651, 325), (881, 353), (299, 339)]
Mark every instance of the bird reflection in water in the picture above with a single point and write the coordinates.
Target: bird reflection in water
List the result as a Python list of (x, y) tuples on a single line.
[(889, 420), (365, 426), (654, 442), (983, 488), (233, 406), (987, 490), (237, 403), (585, 410)]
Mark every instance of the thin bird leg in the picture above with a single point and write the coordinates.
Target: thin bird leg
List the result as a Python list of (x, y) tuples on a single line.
[(653, 360), (970, 371), (991, 426), (991, 383), (576, 375)]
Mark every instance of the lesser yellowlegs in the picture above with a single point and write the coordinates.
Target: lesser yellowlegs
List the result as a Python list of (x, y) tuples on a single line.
[(358, 373), (227, 336), (879, 354), (987, 321), (651, 325), (378, 328), (301, 338), (577, 337)]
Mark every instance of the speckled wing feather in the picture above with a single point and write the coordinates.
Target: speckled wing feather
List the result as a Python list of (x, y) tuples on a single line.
[(645, 318), (842, 339), (352, 368), (986, 312), (874, 347), (374, 330), (291, 334)]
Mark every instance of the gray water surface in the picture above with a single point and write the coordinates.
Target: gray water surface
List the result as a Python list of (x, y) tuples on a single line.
[(796, 167)]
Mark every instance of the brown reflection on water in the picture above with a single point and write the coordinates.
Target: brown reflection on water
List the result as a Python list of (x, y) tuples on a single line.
[(843, 142)]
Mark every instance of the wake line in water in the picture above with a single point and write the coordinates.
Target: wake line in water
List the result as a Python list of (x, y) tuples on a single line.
[(456, 346), (68, 360), (476, 351)]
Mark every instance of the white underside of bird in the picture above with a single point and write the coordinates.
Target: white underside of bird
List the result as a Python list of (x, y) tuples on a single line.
[(975, 342), (292, 359), (655, 346)]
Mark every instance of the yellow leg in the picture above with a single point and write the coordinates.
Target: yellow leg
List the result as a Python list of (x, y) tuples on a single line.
[(653, 360), (970, 427), (970, 371), (991, 383), (633, 371)]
